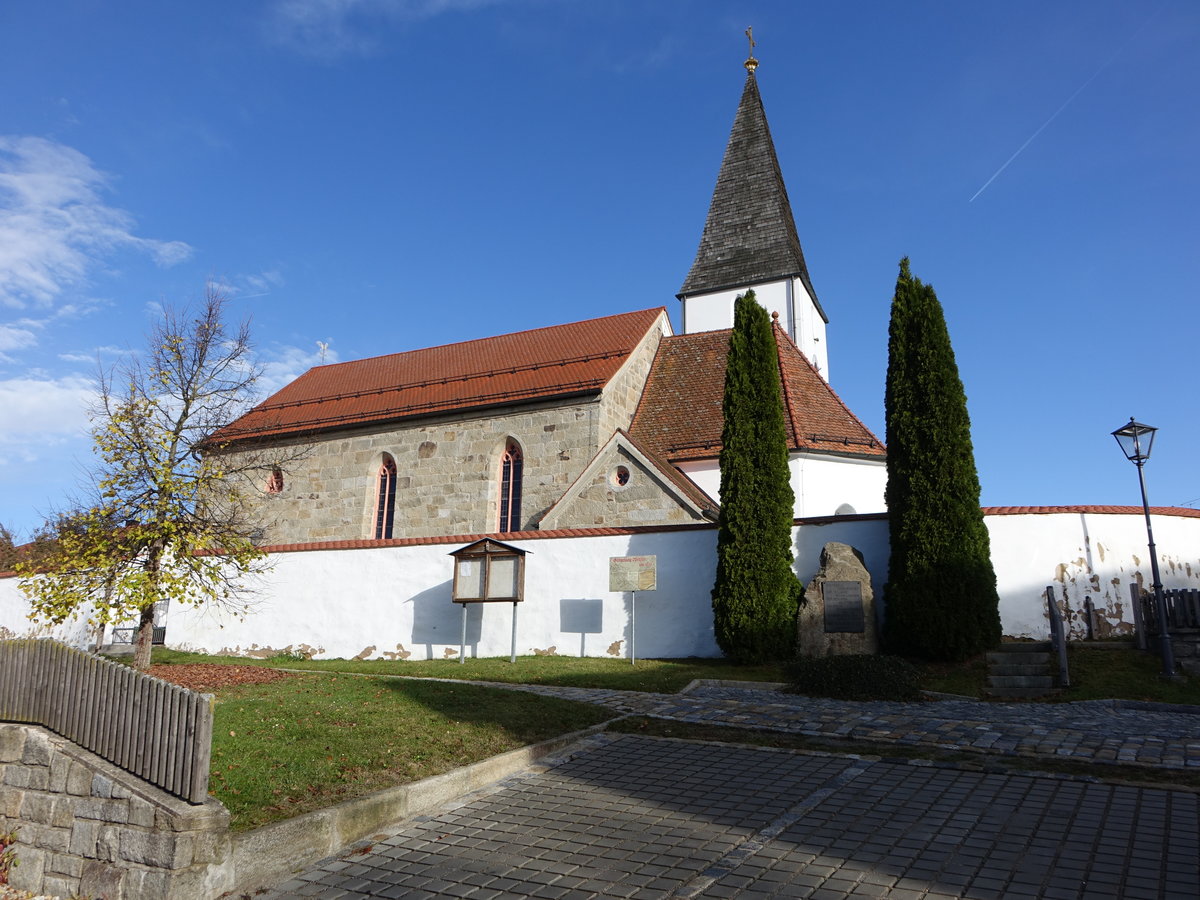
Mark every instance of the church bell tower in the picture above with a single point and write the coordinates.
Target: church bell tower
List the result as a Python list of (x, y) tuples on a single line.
[(750, 239)]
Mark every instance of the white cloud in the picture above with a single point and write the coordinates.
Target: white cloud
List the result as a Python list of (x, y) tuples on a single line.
[(284, 364), (328, 29), (257, 285), (93, 355), (36, 411), (54, 225), (13, 337)]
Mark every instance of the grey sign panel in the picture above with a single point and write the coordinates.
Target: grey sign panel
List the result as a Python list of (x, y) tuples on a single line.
[(843, 607)]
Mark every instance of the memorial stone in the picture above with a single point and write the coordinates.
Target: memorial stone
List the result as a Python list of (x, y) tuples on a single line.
[(839, 616)]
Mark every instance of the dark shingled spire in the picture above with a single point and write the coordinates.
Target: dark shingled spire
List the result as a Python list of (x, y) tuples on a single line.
[(750, 234)]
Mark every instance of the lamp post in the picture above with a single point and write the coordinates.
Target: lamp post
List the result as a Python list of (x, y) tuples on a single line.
[(1136, 440)]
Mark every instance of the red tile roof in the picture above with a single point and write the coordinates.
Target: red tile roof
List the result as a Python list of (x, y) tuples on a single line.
[(680, 416), (559, 361)]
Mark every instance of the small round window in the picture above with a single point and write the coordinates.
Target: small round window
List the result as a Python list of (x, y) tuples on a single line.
[(620, 477)]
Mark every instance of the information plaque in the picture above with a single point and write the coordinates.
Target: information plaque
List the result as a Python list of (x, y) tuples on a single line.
[(632, 573), (843, 607)]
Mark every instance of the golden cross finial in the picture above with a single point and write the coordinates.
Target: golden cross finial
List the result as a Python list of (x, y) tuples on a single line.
[(751, 63)]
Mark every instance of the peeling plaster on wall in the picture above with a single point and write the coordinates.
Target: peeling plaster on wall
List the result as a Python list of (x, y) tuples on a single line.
[(1100, 550), (256, 652), (449, 653), (1081, 584), (366, 652), (549, 651), (398, 653), (614, 649)]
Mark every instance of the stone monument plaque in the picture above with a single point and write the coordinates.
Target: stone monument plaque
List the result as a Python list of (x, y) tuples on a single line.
[(843, 607)]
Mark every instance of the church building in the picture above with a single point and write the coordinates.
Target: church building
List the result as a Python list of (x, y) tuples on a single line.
[(614, 421)]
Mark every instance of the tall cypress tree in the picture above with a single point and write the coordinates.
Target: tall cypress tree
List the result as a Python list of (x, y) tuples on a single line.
[(941, 595), (756, 594)]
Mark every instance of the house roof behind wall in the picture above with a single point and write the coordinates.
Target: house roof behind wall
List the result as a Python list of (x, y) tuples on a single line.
[(680, 416), (560, 361)]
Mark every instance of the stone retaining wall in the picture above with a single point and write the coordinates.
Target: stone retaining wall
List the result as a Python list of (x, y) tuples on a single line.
[(88, 828)]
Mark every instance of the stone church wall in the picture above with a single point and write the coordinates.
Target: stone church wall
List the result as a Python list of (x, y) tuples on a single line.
[(642, 500), (447, 474), (624, 391)]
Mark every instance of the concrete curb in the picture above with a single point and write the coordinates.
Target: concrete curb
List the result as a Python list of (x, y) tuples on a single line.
[(273, 853)]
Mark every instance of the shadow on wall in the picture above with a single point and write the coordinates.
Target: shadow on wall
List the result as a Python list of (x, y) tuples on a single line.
[(659, 623), (582, 616), (437, 620)]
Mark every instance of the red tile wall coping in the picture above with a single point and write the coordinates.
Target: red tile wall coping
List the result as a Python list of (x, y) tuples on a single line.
[(1179, 511), (508, 537)]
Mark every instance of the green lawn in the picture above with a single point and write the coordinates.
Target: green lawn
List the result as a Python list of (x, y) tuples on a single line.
[(1096, 674), (291, 746), (295, 745), (656, 675)]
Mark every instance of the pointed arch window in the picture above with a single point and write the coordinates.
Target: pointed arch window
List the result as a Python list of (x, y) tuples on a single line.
[(510, 488), (385, 499)]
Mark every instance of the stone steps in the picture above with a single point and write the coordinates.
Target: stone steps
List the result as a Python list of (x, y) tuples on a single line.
[(1018, 669), (1021, 670)]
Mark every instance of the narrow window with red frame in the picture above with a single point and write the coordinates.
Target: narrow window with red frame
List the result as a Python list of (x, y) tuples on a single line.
[(385, 506), (510, 488)]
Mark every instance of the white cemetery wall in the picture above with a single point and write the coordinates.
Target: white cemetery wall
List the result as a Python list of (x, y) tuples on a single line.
[(395, 603), (1085, 555)]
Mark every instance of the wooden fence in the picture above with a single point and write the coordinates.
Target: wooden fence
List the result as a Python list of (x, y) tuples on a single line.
[(156, 730), (1183, 610)]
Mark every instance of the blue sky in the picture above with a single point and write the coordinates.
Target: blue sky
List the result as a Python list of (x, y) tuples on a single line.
[(381, 175)]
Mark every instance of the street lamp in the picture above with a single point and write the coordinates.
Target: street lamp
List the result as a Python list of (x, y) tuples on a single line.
[(1136, 440)]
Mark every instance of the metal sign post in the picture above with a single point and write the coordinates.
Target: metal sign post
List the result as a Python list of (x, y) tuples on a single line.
[(633, 574), (462, 644), (633, 630), (512, 655)]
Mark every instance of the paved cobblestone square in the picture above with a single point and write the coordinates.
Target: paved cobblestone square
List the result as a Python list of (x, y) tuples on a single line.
[(646, 818)]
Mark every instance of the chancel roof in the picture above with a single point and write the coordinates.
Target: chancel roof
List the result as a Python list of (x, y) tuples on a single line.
[(750, 234), (680, 416), (546, 363)]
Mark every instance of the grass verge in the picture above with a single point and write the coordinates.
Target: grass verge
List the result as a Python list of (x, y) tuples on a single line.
[(655, 675), (1133, 775), (296, 745), (1096, 674)]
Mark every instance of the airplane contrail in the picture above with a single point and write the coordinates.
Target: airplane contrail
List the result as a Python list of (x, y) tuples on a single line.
[(1058, 111)]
